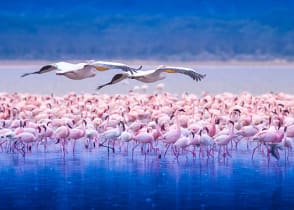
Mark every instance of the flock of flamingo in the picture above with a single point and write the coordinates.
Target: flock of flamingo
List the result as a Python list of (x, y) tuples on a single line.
[(158, 124)]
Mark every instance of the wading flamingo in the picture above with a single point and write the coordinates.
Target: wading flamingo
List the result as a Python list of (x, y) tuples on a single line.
[(171, 136), (224, 139), (270, 139), (61, 134), (143, 138)]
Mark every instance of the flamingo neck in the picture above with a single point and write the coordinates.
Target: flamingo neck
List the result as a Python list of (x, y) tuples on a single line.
[(231, 129), (281, 135)]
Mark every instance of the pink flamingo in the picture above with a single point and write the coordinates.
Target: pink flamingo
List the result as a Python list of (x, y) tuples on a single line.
[(171, 136), (48, 133), (92, 137), (247, 132), (287, 144), (224, 139), (5, 135), (143, 138), (75, 134), (61, 134), (269, 137), (24, 139), (126, 137), (182, 143), (205, 140)]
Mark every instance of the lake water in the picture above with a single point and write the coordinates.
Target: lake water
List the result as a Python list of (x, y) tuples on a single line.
[(256, 79), (94, 180)]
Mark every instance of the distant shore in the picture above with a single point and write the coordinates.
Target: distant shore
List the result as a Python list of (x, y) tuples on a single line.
[(277, 62)]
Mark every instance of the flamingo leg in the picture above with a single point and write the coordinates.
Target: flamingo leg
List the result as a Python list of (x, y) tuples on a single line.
[(134, 149), (166, 150), (74, 146), (254, 151)]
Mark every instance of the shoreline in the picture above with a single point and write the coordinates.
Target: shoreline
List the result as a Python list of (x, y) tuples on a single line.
[(19, 62)]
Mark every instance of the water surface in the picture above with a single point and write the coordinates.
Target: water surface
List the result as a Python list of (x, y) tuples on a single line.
[(256, 79), (92, 180)]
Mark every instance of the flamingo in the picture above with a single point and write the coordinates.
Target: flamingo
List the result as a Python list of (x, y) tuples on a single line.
[(182, 143), (75, 134), (143, 138), (41, 136), (127, 136), (171, 136), (224, 139), (25, 139), (269, 137), (287, 145), (92, 137), (61, 134), (157, 115), (111, 135), (247, 132), (205, 140), (6, 134)]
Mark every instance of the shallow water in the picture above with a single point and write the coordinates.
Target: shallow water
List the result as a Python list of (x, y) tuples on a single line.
[(94, 180)]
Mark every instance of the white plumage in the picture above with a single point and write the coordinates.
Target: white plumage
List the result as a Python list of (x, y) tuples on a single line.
[(79, 71), (153, 75)]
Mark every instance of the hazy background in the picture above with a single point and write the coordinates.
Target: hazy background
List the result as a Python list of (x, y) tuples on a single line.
[(154, 30)]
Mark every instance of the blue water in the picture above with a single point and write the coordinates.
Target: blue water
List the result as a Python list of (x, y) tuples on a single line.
[(92, 180)]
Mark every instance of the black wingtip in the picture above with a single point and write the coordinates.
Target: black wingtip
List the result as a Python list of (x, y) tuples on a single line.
[(132, 70), (201, 76)]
